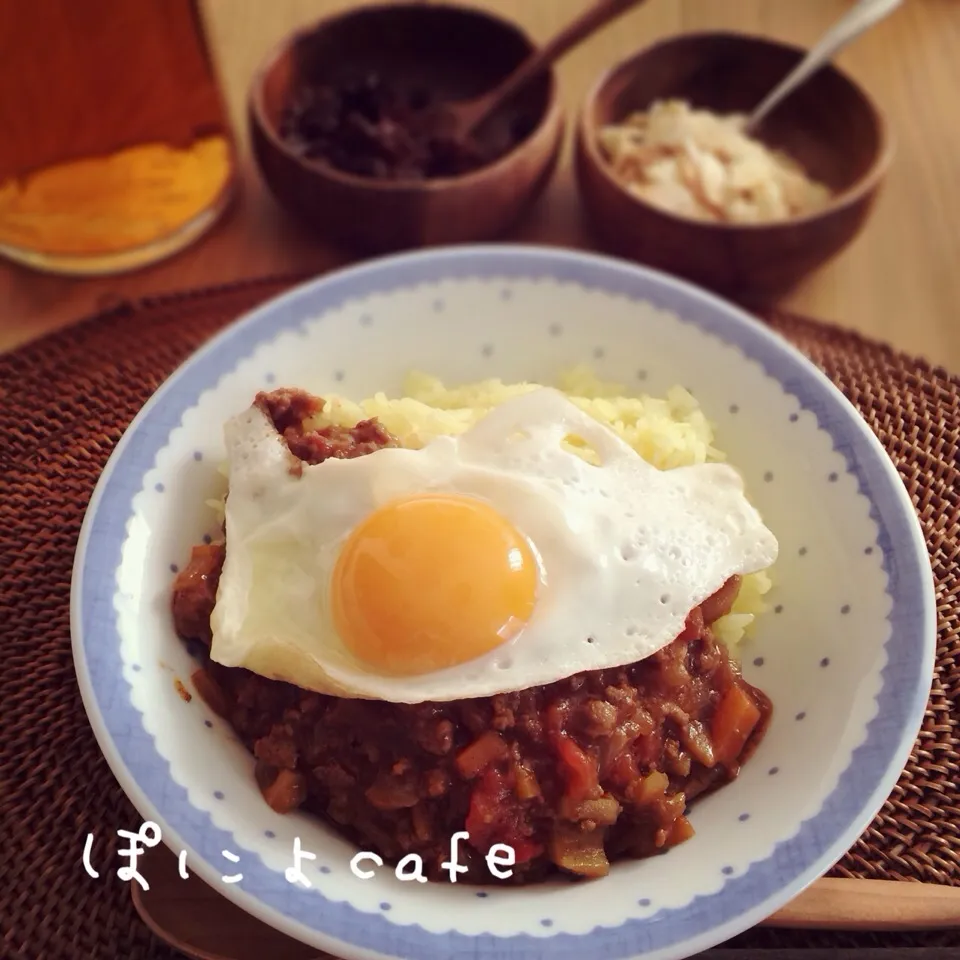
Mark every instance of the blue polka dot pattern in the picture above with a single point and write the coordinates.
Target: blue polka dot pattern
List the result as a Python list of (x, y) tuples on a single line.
[(365, 320), (269, 834), (218, 794), (159, 487)]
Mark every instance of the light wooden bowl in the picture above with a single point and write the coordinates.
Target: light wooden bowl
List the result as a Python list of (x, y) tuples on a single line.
[(830, 125), (456, 52)]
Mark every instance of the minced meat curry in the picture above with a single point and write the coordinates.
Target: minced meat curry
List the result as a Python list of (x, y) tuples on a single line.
[(572, 775)]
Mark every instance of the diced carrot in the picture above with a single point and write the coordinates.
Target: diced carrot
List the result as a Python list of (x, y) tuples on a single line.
[(736, 716), (580, 769), (477, 756), (718, 605)]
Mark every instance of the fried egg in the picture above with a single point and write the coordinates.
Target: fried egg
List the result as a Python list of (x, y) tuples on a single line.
[(484, 563)]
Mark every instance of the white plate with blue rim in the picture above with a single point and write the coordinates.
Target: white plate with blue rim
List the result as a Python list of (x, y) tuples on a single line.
[(846, 652)]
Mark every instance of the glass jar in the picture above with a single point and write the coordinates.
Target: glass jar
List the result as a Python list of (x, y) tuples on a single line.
[(115, 148)]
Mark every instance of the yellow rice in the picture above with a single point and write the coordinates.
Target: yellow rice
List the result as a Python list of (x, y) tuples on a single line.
[(668, 432)]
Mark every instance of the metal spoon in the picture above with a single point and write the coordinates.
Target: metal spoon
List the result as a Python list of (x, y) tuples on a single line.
[(858, 20)]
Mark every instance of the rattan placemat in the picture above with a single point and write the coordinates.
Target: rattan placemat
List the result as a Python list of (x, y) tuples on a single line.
[(64, 403)]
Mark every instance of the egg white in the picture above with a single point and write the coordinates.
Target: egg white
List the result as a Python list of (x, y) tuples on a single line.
[(627, 550)]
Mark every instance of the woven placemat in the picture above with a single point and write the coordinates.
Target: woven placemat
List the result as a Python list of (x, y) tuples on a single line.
[(64, 403)]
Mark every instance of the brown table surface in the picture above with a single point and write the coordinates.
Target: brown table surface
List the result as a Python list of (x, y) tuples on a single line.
[(900, 280)]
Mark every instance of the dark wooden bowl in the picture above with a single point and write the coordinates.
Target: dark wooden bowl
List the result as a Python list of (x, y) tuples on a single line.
[(455, 52), (830, 125)]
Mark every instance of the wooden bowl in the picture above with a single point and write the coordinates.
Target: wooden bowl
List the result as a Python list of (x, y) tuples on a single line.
[(830, 125), (456, 53)]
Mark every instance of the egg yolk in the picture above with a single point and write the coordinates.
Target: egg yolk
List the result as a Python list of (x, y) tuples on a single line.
[(431, 581)]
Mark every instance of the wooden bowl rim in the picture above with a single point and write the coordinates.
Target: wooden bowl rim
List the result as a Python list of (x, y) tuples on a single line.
[(553, 115), (866, 184)]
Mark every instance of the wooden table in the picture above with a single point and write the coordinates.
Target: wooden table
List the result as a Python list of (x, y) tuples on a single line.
[(900, 281)]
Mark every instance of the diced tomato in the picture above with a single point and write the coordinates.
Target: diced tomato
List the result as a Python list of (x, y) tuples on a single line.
[(718, 604), (496, 816), (694, 625), (580, 769), (486, 802), (525, 850)]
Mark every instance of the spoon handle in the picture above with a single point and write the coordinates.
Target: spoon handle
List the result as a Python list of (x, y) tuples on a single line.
[(592, 19), (863, 16), (887, 905)]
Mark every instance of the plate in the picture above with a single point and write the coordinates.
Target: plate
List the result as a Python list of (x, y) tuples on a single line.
[(846, 653)]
